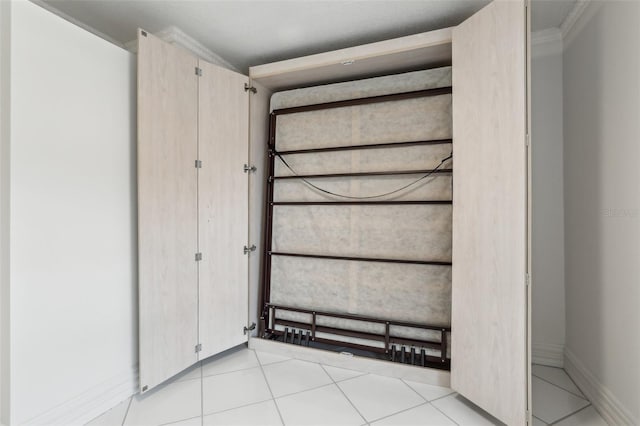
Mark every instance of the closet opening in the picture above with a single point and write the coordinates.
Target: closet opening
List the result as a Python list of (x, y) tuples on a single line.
[(358, 212)]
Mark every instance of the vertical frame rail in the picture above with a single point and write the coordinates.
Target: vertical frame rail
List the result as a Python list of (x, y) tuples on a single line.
[(387, 337), (266, 264), (443, 345)]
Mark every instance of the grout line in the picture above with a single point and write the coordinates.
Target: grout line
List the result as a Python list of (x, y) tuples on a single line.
[(349, 378), (177, 421), (238, 407), (202, 364), (443, 396), (399, 412), (345, 395), (342, 380), (415, 391), (575, 384), (303, 391), (539, 419), (275, 362), (443, 413), (356, 377), (270, 391), (560, 387), (127, 412), (226, 372), (434, 399), (179, 380), (569, 415)]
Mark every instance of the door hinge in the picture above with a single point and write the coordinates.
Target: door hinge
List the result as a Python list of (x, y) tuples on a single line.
[(527, 140), (198, 257), (527, 279), (252, 327), (249, 169), (198, 164), (198, 347), (248, 250), (251, 89), (199, 71)]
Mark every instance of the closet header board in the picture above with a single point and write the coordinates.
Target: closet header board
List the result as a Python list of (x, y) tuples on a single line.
[(416, 52)]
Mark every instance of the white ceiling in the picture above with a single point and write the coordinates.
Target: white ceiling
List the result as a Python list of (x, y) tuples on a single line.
[(254, 32), (549, 13)]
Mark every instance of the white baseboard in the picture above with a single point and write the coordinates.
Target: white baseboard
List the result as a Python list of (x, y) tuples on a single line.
[(549, 354), (429, 376), (611, 410), (92, 403)]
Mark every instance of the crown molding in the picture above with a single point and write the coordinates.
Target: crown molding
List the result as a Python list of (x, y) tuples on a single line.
[(548, 35), (573, 17), (546, 42), (554, 40), (175, 35)]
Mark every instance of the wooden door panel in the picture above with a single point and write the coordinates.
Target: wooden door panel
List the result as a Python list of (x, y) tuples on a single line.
[(489, 360), (223, 208), (167, 209)]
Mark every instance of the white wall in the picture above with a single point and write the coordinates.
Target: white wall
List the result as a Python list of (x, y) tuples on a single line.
[(548, 313), (5, 33), (72, 209), (602, 207)]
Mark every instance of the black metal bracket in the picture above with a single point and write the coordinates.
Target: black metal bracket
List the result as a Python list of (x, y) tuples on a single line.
[(397, 349), (252, 327), (368, 100), (366, 146)]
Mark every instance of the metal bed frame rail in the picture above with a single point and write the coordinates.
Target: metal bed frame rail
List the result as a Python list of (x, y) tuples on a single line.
[(303, 333)]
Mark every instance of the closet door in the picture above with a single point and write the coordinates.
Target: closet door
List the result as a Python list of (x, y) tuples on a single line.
[(223, 192), (490, 349), (167, 209)]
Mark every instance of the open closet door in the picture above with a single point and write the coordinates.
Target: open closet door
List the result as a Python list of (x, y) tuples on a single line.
[(490, 339), (167, 209), (223, 187)]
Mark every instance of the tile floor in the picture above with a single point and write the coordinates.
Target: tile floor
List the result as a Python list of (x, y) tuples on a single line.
[(243, 387)]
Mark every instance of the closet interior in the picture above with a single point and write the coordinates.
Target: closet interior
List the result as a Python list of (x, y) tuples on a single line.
[(358, 218)]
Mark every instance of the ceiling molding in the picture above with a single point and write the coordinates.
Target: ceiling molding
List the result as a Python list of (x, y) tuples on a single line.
[(546, 42), (549, 35), (552, 40), (75, 22), (573, 17), (175, 35)]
